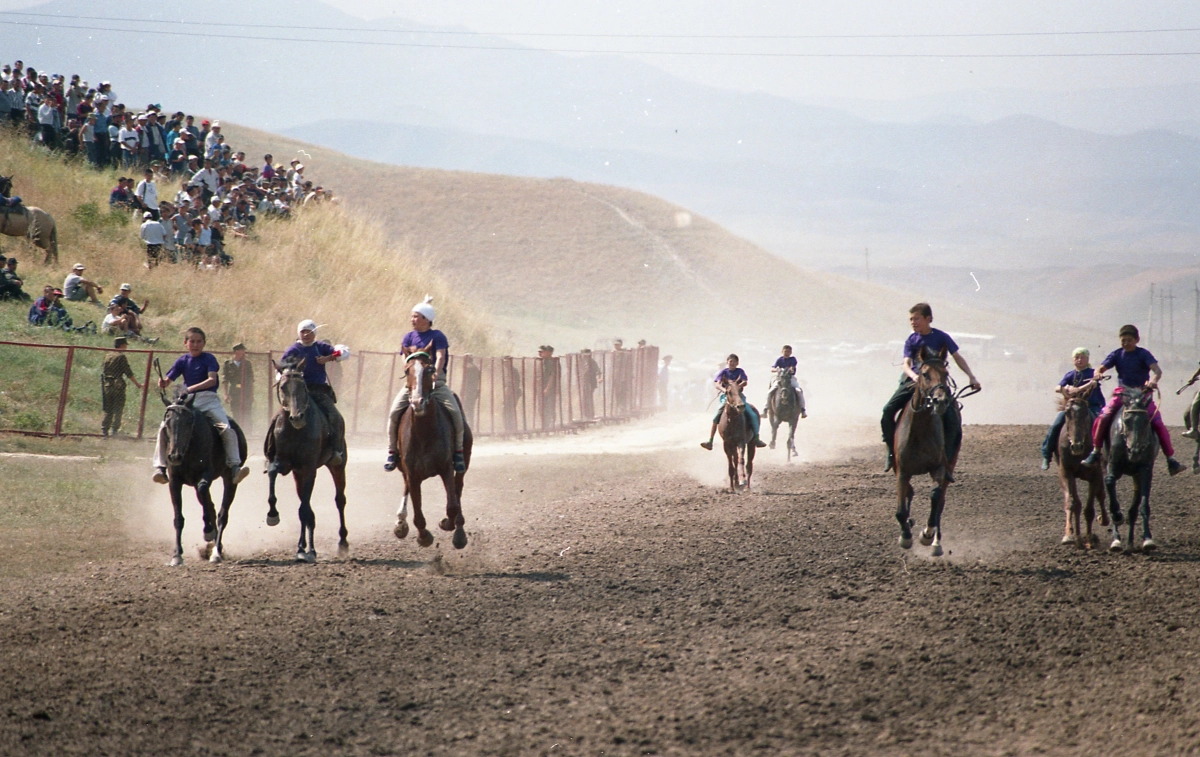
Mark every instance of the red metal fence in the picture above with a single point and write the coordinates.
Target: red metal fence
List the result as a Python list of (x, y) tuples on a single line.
[(501, 396)]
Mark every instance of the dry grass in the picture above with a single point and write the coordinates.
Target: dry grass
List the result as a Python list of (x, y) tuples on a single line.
[(328, 263)]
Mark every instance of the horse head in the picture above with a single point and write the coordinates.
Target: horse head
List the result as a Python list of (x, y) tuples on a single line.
[(1078, 424), (1135, 421), (418, 376), (292, 391), (735, 403), (933, 391), (179, 420), (5, 185)]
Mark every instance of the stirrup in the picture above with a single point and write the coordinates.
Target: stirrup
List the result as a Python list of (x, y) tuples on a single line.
[(391, 463)]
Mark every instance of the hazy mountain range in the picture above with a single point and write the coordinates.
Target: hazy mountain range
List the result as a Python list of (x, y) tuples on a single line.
[(816, 183)]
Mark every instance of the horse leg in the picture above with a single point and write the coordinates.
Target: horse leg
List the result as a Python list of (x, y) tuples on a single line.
[(732, 459), (454, 518), (903, 505), (424, 538), (1144, 482), (227, 493), (791, 442), (209, 510), (1063, 484), (775, 421), (401, 529), (339, 499), (272, 513), (177, 503), (937, 502), (1089, 516), (1196, 459), (1076, 511), (750, 452), (306, 549), (1110, 485)]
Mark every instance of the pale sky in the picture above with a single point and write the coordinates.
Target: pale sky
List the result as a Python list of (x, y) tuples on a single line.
[(839, 77)]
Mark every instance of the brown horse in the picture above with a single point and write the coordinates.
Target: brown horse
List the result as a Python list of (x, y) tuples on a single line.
[(737, 437), (27, 221), (1075, 444), (920, 445), (425, 440)]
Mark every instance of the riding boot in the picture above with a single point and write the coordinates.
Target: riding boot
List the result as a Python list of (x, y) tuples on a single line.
[(708, 445), (392, 461), (891, 458), (1093, 458)]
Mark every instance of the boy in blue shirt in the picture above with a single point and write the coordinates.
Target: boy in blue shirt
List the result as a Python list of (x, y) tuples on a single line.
[(737, 376), (1072, 385), (1136, 369), (320, 392), (425, 338), (920, 317), (200, 373), (782, 363)]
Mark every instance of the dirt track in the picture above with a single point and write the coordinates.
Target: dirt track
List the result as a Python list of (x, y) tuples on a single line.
[(680, 621)]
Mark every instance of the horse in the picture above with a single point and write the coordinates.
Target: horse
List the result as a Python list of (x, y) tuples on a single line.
[(1133, 448), (425, 440), (195, 457), (1075, 444), (737, 437), (784, 407), (920, 445), (300, 441), (29, 221)]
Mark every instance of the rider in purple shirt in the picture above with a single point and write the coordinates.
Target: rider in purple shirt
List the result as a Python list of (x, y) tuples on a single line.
[(315, 355), (783, 363), (735, 375)]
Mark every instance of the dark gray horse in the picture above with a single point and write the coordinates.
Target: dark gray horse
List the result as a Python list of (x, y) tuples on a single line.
[(784, 407), (1133, 449), (196, 457), (299, 442)]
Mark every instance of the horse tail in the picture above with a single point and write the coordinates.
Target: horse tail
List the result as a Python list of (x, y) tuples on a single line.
[(31, 225)]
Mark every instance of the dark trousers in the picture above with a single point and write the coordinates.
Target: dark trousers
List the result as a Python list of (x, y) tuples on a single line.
[(114, 408), (1050, 443), (323, 397), (49, 136), (951, 420)]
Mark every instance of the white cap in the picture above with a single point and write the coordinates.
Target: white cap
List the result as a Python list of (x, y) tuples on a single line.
[(425, 308), (77, 267), (147, 214), (125, 287), (306, 325)]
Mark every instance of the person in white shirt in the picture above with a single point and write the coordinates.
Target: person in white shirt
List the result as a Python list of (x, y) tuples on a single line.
[(147, 192), (208, 181), (129, 139), (211, 139), (153, 234), (47, 114)]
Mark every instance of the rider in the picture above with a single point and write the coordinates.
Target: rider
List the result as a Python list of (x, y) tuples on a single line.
[(1191, 418), (1071, 386), (320, 393), (200, 379), (424, 338), (1136, 368), (737, 376), (785, 363), (920, 316)]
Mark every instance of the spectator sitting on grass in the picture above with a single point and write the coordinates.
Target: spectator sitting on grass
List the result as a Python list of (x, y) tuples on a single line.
[(11, 286), (41, 306), (117, 321), (78, 288), (131, 308), (120, 198)]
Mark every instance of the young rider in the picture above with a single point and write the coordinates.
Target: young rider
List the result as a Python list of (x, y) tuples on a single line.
[(1136, 368), (920, 317), (737, 376), (200, 370), (425, 338), (320, 392), (1073, 384), (1191, 418), (783, 363)]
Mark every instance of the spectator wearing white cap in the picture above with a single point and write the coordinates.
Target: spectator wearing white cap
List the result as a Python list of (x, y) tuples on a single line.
[(147, 194), (78, 289), (154, 235)]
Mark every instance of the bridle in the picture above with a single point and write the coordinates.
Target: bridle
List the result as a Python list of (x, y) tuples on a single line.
[(925, 398), (288, 374)]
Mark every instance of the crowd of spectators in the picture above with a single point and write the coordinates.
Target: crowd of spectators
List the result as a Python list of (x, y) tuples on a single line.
[(192, 191)]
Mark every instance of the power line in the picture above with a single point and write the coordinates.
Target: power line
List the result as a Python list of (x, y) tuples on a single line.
[(467, 33), (704, 53)]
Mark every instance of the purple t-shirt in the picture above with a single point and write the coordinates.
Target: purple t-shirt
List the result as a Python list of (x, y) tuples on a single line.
[(195, 369), (425, 341), (785, 362), (1079, 378), (314, 372), (1133, 368), (731, 374), (935, 340)]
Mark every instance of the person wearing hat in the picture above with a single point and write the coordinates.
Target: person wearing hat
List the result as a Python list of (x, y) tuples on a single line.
[(78, 288), (320, 392), (112, 386), (424, 338), (590, 377), (550, 383), (153, 235), (11, 286), (238, 377), (125, 300)]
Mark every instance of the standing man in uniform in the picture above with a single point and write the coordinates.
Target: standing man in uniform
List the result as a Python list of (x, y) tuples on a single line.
[(237, 375), (112, 387), (550, 380), (664, 382)]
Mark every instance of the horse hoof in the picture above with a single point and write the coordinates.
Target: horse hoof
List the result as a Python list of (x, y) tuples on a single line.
[(446, 524), (1115, 546), (771, 445), (176, 561), (1148, 545), (936, 551), (1067, 539), (906, 542), (401, 530), (210, 535), (460, 538), (300, 556), (926, 538), (215, 558), (343, 549), (310, 557), (424, 539), (272, 520)]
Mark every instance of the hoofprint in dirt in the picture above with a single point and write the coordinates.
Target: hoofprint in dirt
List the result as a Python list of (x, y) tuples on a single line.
[(617, 606)]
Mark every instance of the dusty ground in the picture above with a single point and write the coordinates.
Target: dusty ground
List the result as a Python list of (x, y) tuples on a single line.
[(616, 605)]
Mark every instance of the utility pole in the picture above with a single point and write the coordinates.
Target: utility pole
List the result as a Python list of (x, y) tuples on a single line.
[(1171, 323), (1162, 296), (1150, 319), (867, 258), (1196, 322)]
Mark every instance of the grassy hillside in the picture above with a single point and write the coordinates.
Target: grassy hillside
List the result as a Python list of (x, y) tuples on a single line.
[(328, 263)]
